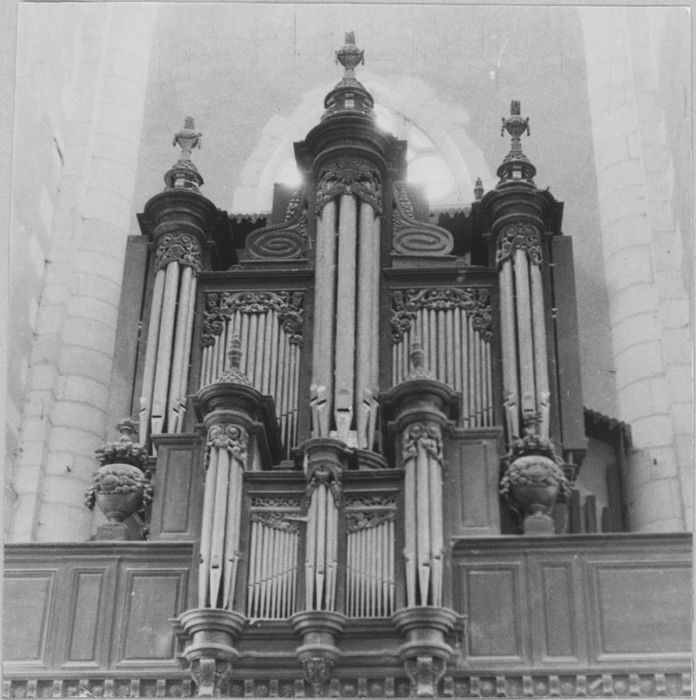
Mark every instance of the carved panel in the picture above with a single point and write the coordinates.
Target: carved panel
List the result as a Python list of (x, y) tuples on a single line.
[(558, 611), (152, 598), (27, 600), (471, 486), (497, 613), (633, 599), (86, 617)]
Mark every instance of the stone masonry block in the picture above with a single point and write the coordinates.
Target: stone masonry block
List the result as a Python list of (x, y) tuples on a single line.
[(657, 158), (51, 319), (639, 397), (119, 119), (638, 362), (682, 418), (43, 379), (680, 382), (91, 333), (48, 348), (670, 286), (114, 148), (74, 440), (634, 330), (64, 489), (86, 362), (105, 205), (650, 431), (684, 448), (85, 390), (653, 506), (93, 284), (627, 268), (86, 307), (27, 478), (59, 522), (85, 416), (626, 202), (674, 313), (110, 174), (661, 216), (677, 346)]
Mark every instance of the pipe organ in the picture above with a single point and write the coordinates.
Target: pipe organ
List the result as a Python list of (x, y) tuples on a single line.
[(355, 366)]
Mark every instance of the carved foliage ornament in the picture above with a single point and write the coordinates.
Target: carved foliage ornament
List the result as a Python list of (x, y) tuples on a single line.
[(277, 521), (427, 436), (425, 673), (364, 512), (349, 176), (220, 307), (519, 236), (211, 676), (406, 303), (317, 672), (324, 474), (232, 438), (413, 237), (178, 247)]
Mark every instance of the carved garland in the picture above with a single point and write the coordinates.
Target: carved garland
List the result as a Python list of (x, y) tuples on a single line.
[(406, 303), (221, 306), (349, 176), (519, 236), (178, 247), (427, 435), (230, 437)]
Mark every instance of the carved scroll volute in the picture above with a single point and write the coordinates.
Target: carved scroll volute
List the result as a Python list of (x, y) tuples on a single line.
[(413, 237), (284, 241), (519, 236)]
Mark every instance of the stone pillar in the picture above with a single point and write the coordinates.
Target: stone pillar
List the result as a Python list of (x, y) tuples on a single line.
[(241, 435), (642, 246), (419, 409), (67, 385)]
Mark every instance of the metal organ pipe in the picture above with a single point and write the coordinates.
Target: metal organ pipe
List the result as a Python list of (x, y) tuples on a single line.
[(540, 360)]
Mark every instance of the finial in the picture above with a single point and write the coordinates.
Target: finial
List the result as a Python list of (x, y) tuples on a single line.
[(233, 374), (417, 357), (184, 173), (128, 429), (516, 165), (350, 55), (478, 189)]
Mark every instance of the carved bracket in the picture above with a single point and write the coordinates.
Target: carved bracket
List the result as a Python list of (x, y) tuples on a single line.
[(427, 435), (324, 474), (211, 676), (349, 176), (425, 672), (519, 236), (413, 237), (317, 672), (220, 307), (178, 247), (406, 303)]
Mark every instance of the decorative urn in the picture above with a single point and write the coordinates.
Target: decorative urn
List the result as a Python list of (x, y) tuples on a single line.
[(120, 487), (534, 480)]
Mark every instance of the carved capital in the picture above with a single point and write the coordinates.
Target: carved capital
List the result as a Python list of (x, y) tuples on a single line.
[(349, 176), (324, 474), (178, 247), (406, 303), (230, 437), (317, 672), (425, 672), (425, 435), (519, 236), (211, 676)]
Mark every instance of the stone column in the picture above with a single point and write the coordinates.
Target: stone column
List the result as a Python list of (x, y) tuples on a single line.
[(419, 409), (642, 245)]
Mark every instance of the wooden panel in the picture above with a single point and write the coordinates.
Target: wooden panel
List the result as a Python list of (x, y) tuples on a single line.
[(85, 621), (27, 602), (556, 608), (471, 486), (644, 608), (152, 598), (177, 487), (496, 612)]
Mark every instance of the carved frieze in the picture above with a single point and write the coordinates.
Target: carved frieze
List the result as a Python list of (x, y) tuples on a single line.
[(349, 176), (277, 521), (179, 247), (427, 435), (413, 237), (283, 241), (221, 306), (407, 302), (365, 512), (230, 437), (519, 236), (275, 503)]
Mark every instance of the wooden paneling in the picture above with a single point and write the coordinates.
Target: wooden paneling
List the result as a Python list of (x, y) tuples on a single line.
[(493, 605), (642, 609), (151, 598), (27, 600), (86, 618), (471, 483), (555, 599), (177, 487)]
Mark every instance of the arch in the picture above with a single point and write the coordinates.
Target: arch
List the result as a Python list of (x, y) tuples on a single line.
[(444, 123)]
